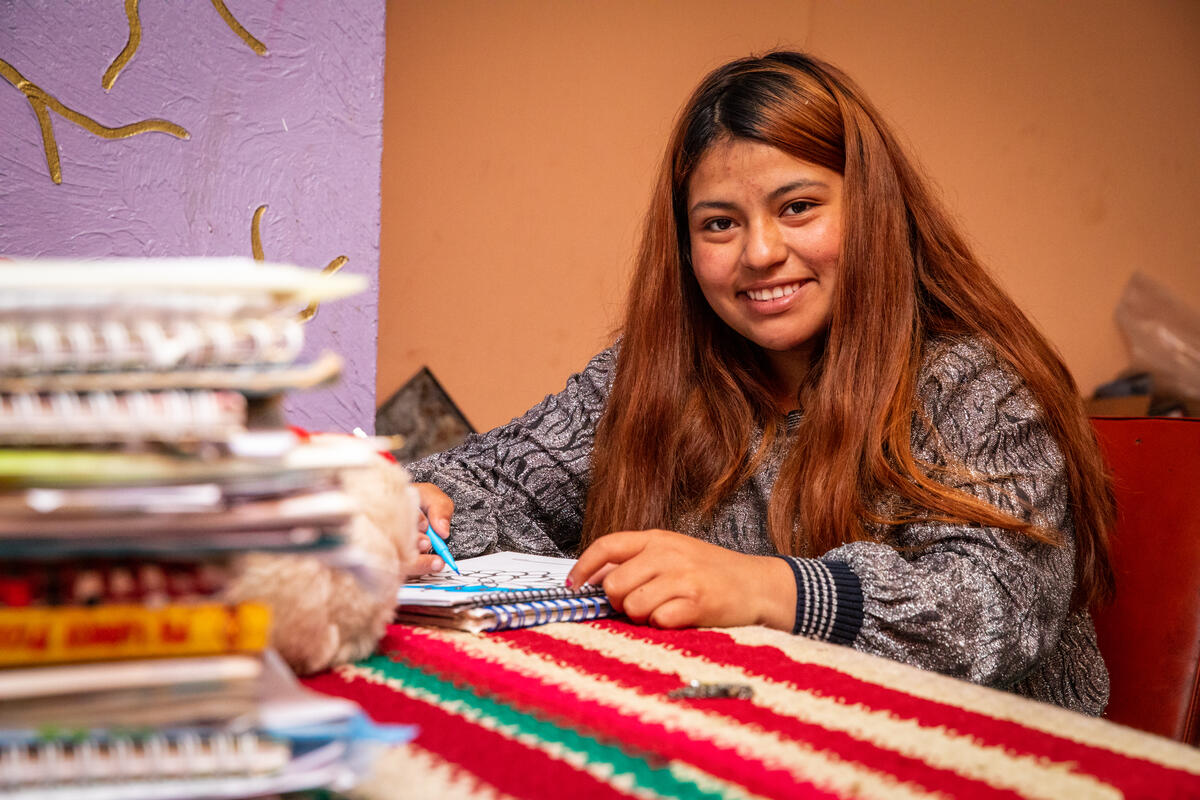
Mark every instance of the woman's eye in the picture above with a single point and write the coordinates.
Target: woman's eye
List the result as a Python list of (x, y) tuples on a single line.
[(718, 224), (798, 207)]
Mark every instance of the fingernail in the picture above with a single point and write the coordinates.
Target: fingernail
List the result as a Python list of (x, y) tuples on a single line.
[(569, 582), (437, 564)]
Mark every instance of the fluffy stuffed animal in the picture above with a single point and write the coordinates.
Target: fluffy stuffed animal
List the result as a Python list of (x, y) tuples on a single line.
[(324, 614)]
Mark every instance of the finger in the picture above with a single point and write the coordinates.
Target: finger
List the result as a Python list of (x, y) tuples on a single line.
[(615, 547), (621, 579), (602, 573), (643, 601), (424, 545), (427, 564), (436, 506), (678, 612)]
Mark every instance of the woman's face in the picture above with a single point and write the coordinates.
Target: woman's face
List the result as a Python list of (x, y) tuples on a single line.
[(766, 232)]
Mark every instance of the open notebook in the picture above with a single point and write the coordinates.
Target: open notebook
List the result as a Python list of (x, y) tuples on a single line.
[(500, 591)]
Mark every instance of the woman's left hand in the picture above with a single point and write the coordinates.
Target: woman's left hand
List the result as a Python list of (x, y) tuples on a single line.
[(670, 580)]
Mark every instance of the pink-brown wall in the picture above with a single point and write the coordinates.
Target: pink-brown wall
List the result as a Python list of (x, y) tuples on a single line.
[(520, 139)]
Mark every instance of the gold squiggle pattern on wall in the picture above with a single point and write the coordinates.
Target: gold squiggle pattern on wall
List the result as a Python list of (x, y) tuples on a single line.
[(256, 250), (44, 103), (237, 28), (131, 46), (310, 310), (135, 39)]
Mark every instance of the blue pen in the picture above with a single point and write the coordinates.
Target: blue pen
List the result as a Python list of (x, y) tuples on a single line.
[(439, 547)]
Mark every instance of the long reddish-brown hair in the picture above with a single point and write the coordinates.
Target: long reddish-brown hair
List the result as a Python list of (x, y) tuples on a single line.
[(675, 437)]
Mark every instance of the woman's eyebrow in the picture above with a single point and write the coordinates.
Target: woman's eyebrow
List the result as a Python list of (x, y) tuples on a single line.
[(704, 205), (803, 183)]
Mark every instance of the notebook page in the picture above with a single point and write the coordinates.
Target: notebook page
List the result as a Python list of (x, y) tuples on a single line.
[(485, 575)]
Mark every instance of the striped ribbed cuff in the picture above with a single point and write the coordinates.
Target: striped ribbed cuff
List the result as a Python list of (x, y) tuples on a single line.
[(828, 599)]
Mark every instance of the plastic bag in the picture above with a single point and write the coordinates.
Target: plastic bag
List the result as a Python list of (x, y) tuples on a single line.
[(1163, 335)]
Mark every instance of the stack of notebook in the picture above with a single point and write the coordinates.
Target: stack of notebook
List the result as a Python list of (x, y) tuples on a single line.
[(140, 453), (498, 592)]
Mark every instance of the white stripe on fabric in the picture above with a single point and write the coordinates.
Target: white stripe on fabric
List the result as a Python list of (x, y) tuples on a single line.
[(832, 594), (820, 598), (809, 598), (818, 612)]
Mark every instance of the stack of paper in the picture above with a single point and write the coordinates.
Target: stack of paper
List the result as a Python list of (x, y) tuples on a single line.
[(139, 454)]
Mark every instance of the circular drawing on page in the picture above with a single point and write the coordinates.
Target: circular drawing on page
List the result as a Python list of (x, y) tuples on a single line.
[(492, 580)]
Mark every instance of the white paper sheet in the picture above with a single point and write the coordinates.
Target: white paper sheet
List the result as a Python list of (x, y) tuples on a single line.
[(498, 572)]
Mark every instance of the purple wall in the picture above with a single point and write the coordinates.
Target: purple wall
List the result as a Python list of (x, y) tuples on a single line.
[(299, 130)]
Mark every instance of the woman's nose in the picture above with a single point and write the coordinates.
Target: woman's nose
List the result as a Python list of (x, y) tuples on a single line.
[(764, 246)]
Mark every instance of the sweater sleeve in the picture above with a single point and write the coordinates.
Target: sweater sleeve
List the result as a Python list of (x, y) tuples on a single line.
[(979, 603), (523, 486)]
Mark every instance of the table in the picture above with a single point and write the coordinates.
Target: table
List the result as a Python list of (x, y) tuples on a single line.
[(580, 710)]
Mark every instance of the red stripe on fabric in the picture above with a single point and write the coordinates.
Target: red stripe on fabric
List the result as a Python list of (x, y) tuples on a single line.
[(838, 743), (618, 726), (1135, 777), (610, 725), (507, 765)]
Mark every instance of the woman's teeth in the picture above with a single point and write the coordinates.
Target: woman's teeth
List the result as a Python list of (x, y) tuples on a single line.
[(773, 293)]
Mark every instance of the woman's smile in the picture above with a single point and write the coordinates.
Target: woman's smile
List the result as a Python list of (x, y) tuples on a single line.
[(763, 299)]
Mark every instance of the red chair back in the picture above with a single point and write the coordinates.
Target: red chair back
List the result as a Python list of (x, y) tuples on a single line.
[(1150, 635)]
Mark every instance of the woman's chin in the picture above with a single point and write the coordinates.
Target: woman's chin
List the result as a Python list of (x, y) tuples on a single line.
[(783, 344)]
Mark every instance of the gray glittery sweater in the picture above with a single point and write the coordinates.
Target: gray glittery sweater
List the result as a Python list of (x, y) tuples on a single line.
[(977, 603)]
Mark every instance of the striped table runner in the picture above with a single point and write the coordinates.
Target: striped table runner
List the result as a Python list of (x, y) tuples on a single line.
[(581, 710)]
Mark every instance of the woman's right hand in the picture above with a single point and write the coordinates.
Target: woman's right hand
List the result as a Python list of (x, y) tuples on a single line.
[(436, 509)]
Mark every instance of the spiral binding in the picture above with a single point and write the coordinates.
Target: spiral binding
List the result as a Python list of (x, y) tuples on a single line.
[(90, 417), (186, 754), (529, 595), (540, 612), (91, 344)]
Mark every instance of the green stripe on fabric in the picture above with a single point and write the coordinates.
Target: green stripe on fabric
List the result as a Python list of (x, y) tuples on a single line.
[(661, 781)]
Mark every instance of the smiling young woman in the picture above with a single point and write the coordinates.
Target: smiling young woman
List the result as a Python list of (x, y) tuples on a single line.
[(765, 231), (822, 415)]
